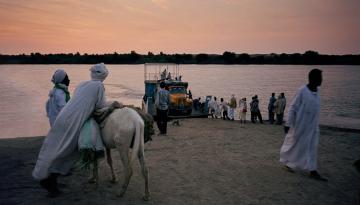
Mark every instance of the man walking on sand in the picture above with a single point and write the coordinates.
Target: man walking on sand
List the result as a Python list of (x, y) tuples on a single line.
[(299, 149)]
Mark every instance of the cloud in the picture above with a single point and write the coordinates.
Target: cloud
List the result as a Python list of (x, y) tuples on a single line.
[(164, 4)]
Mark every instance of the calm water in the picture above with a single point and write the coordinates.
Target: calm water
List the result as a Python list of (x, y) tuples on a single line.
[(24, 89)]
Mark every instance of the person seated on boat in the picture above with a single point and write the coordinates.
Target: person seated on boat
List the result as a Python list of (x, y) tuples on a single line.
[(168, 76), (180, 78), (163, 75)]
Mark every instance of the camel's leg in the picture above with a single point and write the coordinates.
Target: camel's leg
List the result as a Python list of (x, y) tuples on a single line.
[(124, 155), (145, 173), (110, 163)]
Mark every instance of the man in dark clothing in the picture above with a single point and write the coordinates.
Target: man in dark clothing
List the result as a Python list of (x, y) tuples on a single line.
[(271, 108), (162, 106), (255, 111)]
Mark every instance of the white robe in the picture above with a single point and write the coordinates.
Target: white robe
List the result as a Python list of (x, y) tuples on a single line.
[(56, 101), (59, 150), (299, 149)]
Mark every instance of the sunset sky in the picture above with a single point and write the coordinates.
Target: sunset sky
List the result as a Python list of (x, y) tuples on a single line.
[(180, 26)]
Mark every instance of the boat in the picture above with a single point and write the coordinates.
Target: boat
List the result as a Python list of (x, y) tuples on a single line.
[(181, 102)]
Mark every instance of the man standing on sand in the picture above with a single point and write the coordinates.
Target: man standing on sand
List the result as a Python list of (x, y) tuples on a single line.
[(255, 110), (242, 110), (232, 106), (212, 107), (279, 109), (162, 106), (224, 109), (299, 149), (271, 108)]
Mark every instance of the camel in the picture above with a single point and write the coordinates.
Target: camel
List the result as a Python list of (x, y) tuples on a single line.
[(117, 132)]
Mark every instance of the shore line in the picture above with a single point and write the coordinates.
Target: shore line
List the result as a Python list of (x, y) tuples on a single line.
[(328, 127)]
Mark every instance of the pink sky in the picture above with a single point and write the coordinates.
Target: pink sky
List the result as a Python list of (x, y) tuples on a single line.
[(179, 26)]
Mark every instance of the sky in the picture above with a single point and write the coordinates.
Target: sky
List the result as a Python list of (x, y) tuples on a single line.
[(179, 26)]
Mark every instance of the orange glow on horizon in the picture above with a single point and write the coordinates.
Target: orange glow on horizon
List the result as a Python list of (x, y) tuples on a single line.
[(179, 26)]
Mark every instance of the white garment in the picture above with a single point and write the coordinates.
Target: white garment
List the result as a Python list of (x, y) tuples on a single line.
[(59, 150), (217, 109), (212, 105), (299, 149), (231, 113), (99, 72), (242, 106), (56, 101), (57, 97)]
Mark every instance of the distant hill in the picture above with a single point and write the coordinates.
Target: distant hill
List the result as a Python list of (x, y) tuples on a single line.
[(307, 58)]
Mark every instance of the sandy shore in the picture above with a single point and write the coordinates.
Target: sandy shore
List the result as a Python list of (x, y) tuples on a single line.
[(202, 161)]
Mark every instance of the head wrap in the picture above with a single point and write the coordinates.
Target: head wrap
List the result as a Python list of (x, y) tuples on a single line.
[(99, 72), (58, 76)]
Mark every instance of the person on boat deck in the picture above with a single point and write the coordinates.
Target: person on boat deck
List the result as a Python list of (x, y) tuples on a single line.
[(168, 76), (163, 75), (299, 150), (59, 149), (58, 95)]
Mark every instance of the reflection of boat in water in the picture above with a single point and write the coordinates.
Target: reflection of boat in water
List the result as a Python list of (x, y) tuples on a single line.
[(181, 102)]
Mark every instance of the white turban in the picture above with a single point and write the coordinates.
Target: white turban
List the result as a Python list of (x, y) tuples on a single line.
[(99, 72), (58, 76)]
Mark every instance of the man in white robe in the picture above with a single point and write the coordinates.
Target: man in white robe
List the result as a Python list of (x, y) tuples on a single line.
[(212, 107), (59, 150), (299, 150)]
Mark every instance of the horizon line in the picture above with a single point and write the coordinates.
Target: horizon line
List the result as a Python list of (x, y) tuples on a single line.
[(251, 54)]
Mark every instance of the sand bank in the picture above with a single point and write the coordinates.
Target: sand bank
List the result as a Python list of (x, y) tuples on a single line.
[(202, 161)]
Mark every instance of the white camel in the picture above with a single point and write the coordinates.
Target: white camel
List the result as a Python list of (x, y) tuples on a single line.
[(118, 131)]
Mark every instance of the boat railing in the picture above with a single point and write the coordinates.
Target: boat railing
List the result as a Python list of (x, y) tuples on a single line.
[(160, 71)]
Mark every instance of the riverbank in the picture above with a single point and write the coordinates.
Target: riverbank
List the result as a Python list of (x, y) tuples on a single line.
[(202, 161)]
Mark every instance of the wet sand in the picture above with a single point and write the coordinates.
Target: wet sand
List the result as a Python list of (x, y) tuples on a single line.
[(202, 161)]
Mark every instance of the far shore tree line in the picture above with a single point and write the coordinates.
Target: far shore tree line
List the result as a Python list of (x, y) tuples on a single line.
[(307, 58)]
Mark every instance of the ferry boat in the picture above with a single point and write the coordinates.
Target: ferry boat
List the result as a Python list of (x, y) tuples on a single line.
[(181, 102)]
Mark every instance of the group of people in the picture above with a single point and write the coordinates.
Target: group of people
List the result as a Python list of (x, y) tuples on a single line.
[(226, 110), (67, 117), (166, 75)]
